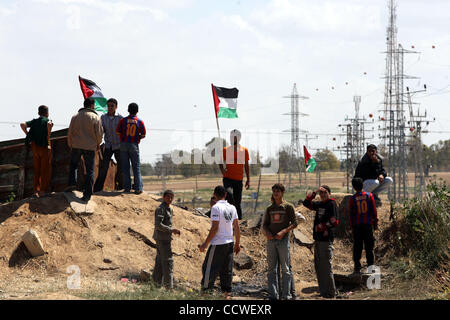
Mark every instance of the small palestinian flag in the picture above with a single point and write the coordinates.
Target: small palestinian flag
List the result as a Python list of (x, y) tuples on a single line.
[(225, 102), (310, 163), (91, 90)]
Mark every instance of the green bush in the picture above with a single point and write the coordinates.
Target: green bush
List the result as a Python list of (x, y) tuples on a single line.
[(424, 232)]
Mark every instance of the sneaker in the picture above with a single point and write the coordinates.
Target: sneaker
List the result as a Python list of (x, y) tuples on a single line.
[(138, 191), (85, 199)]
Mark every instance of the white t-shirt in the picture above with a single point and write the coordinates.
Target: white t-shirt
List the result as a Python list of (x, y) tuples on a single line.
[(225, 213)]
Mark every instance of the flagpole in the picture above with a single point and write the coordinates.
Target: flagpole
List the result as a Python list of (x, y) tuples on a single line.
[(215, 112)]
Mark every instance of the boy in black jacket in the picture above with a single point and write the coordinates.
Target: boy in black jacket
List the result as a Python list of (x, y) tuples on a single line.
[(325, 221), (370, 169)]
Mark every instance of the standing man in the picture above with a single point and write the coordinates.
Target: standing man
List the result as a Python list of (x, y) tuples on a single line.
[(84, 139), (110, 121), (131, 130), (363, 220), (324, 223), (219, 258), (39, 135), (278, 222), (370, 169), (236, 158), (163, 271)]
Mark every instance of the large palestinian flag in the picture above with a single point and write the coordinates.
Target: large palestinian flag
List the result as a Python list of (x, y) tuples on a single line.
[(91, 90), (310, 163), (225, 102)]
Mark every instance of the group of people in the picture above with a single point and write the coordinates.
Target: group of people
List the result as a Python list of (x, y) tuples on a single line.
[(122, 136), (87, 130), (278, 221)]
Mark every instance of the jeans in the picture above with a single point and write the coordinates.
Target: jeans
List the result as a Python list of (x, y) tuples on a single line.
[(103, 171), (374, 186), (130, 152), (235, 197), (323, 255), (278, 252), (89, 160)]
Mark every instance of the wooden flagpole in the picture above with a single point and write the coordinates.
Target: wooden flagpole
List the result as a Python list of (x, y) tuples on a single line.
[(215, 112)]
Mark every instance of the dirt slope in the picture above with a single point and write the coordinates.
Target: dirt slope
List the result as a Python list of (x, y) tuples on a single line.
[(104, 240)]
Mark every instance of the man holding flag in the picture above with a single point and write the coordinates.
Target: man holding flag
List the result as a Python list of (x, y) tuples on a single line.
[(235, 157)]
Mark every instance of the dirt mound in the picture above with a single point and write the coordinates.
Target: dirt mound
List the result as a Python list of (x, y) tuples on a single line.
[(107, 239), (116, 241)]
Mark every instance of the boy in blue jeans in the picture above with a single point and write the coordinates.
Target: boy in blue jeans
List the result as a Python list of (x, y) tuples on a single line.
[(131, 130)]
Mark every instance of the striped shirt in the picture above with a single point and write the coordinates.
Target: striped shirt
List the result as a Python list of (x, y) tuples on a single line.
[(362, 209), (131, 129), (112, 140)]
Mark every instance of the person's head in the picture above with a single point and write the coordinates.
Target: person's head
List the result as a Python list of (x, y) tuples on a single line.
[(212, 201), (220, 193), (168, 196), (357, 184), (324, 192), (277, 192), (235, 137), (43, 111), (112, 106), (89, 103), (133, 108), (372, 152)]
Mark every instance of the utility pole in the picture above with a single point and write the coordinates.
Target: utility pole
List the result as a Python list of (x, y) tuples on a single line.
[(356, 135), (393, 119), (416, 122), (294, 150)]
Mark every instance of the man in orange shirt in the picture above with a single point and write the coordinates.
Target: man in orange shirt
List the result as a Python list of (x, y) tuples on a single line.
[(236, 158)]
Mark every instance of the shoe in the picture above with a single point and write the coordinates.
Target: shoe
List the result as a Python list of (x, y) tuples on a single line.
[(126, 191), (138, 191), (85, 199)]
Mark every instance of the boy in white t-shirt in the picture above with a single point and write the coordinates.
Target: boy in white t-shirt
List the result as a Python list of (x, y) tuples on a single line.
[(219, 258)]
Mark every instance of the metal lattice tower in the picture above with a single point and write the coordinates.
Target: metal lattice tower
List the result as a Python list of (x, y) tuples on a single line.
[(417, 123), (295, 150), (356, 140), (393, 136)]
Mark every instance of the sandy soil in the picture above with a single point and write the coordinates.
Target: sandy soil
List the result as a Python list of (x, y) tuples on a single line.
[(104, 240)]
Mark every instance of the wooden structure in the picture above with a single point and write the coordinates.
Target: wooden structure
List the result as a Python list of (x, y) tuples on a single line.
[(16, 167)]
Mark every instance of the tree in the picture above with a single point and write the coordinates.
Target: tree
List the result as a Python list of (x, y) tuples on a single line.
[(326, 160)]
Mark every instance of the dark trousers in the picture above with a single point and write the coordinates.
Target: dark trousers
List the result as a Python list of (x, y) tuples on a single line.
[(89, 160), (163, 271), (363, 236), (218, 261), (235, 197), (103, 171)]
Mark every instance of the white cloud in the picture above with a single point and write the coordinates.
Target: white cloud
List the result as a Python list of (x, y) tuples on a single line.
[(319, 16), (117, 10), (264, 41)]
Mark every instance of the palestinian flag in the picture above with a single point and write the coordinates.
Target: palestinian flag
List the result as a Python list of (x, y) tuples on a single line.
[(91, 90), (310, 163), (225, 102)]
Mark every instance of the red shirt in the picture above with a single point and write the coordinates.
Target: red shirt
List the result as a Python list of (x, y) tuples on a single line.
[(235, 162), (131, 129)]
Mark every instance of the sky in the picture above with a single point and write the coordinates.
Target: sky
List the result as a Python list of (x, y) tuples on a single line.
[(164, 55)]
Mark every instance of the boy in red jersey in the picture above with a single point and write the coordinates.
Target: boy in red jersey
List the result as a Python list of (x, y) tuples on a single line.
[(363, 220), (131, 130)]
